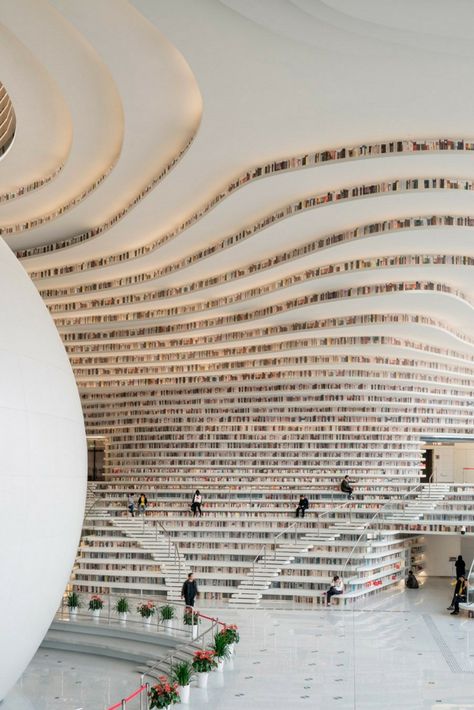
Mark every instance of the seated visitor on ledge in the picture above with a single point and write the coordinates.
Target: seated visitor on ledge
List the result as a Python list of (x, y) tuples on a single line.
[(302, 506), (337, 587), (460, 594), (346, 487)]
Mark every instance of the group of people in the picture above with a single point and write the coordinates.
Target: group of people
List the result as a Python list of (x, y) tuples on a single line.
[(141, 505), (460, 588), (303, 503)]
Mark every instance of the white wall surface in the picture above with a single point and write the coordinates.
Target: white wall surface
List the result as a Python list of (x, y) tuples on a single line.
[(43, 469), (438, 550)]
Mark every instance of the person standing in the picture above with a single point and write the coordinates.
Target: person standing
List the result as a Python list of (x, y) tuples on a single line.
[(303, 505), (460, 567), (190, 590), (131, 505), (196, 503)]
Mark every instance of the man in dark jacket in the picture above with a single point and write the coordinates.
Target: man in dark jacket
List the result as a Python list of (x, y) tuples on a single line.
[(190, 590), (460, 567), (302, 506)]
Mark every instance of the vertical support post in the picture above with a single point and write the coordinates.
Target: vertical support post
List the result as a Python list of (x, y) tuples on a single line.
[(124, 704)]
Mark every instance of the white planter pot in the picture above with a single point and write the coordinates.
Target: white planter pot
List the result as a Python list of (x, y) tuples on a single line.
[(184, 693), (147, 621), (195, 630), (168, 623), (232, 648), (72, 610), (122, 615), (96, 613), (220, 665), (202, 679)]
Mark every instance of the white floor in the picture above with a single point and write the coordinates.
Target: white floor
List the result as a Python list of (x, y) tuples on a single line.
[(400, 651)]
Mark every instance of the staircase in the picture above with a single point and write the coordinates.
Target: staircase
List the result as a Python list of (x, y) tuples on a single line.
[(161, 549), (150, 540), (269, 566), (426, 501)]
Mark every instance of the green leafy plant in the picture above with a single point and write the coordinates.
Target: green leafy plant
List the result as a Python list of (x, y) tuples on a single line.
[(96, 602), (231, 633), (73, 601), (191, 618), (204, 661), (146, 609), (182, 673), (220, 646), (122, 606), (167, 612), (164, 693)]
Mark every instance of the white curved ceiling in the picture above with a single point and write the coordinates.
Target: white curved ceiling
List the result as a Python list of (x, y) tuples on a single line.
[(247, 196)]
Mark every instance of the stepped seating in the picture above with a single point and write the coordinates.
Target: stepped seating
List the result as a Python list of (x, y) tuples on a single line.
[(247, 547)]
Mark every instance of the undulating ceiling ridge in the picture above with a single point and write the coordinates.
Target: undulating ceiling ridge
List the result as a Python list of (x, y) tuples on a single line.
[(272, 269)]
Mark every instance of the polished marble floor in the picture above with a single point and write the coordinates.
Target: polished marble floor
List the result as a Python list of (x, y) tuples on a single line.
[(401, 650)]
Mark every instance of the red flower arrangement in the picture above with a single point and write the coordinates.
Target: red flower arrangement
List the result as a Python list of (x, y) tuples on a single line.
[(146, 609), (204, 661), (231, 633), (164, 693), (96, 602)]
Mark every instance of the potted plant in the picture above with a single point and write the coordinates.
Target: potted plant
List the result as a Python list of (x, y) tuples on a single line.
[(167, 614), (203, 662), (163, 694), (122, 607), (220, 647), (232, 635), (146, 611), (182, 674), (96, 604), (191, 618), (73, 603)]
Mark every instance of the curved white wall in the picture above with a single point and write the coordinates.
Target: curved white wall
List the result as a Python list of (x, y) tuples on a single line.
[(43, 459)]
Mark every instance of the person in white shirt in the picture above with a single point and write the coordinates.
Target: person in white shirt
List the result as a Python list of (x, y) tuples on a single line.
[(196, 504), (337, 587)]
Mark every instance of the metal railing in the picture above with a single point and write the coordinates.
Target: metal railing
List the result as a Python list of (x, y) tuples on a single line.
[(369, 523), (109, 615), (262, 553), (166, 663)]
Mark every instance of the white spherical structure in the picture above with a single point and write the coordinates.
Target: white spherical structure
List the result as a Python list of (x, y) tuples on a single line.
[(43, 469)]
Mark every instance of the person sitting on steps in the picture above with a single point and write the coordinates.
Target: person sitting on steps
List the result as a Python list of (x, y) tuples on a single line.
[(302, 506), (142, 504), (337, 587), (346, 487), (196, 504), (411, 581)]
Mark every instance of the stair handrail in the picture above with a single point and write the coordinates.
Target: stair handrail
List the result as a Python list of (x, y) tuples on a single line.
[(333, 510), (215, 623), (369, 523), (171, 542), (272, 542)]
